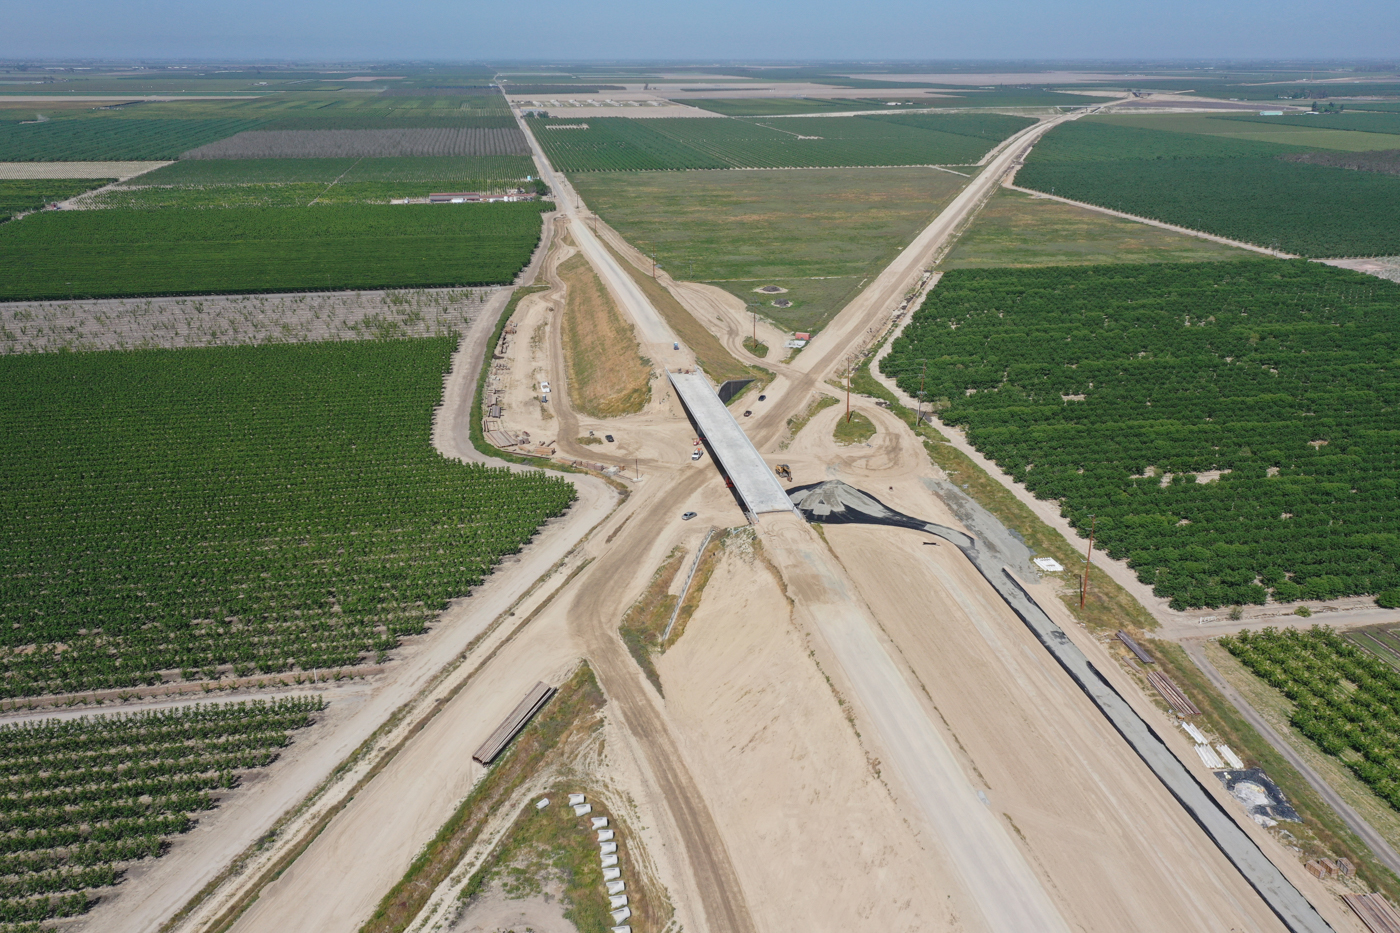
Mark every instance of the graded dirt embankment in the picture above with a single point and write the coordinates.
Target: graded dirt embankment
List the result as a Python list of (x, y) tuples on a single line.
[(816, 838)]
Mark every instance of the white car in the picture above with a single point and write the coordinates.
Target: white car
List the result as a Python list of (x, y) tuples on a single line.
[(544, 387)]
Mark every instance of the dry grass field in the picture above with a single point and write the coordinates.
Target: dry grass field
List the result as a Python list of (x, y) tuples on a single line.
[(819, 233), (1017, 229), (607, 376)]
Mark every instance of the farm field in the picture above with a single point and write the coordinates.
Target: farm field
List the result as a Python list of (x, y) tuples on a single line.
[(1386, 160), (20, 196), (1346, 699), (389, 119), (1227, 423), (1317, 133), (68, 171), (160, 516), (1021, 97), (770, 106), (458, 170), (1354, 120), (818, 233), (1155, 136), (106, 139), (230, 320), (362, 144), (1017, 229), (611, 144), (304, 194), (1241, 189), (61, 254), (84, 799)]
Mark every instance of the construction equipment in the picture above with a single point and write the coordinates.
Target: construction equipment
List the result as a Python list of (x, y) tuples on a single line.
[(784, 471)]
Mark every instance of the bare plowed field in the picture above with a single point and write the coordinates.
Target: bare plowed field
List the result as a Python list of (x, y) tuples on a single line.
[(232, 320)]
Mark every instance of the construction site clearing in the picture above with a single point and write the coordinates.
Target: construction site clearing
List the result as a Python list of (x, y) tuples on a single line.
[(868, 707)]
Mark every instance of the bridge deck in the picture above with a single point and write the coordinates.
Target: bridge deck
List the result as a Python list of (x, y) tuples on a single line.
[(753, 479)]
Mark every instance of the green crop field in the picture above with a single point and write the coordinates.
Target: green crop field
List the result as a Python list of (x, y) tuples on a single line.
[(388, 120), (99, 253), (105, 139), (771, 106), (618, 144), (1021, 97), (1355, 121), (82, 800), (1345, 700), (455, 170), (1090, 384), (1283, 134), (235, 510), (1234, 188), (1298, 93), (18, 196), (1155, 137), (820, 233)]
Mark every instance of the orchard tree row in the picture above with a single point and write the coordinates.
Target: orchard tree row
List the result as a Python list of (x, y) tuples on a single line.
[(81, 798)]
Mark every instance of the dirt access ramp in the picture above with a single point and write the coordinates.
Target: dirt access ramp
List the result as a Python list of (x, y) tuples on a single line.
[(989, 869)]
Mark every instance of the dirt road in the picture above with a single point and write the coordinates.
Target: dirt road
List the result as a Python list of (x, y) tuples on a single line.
[(596, 610), (651, 327)]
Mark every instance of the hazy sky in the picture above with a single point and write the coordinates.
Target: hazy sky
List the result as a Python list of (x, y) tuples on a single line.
[(719, 29)]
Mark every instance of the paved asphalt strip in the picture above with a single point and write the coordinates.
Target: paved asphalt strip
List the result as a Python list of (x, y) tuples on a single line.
[(835, 502)]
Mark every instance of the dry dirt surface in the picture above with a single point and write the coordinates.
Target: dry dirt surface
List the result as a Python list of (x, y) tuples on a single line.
[(634, 106), (1384, 267), (493, 912), (815, 835), (17, 171)]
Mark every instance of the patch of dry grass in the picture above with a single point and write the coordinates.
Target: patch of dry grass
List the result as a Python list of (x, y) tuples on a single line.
[(856, 429), (607, 376), (717, 362)]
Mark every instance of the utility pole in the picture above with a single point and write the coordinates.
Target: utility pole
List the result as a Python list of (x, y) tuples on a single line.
[(919, 417), (848, 393), (637, 467), (653, 263), (755, 328), (1088, 556)]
